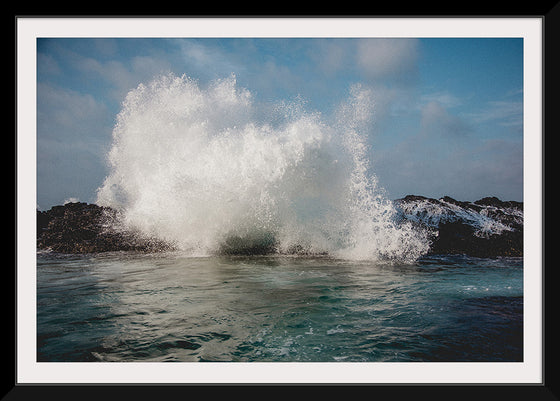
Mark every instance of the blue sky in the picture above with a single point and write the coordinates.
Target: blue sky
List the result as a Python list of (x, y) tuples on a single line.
[(448, 112)]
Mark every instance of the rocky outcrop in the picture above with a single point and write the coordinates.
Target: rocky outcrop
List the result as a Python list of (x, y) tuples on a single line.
[(488, 227), (88, 228)]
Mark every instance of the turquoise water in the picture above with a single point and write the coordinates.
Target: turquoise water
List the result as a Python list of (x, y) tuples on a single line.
[(169, 307)]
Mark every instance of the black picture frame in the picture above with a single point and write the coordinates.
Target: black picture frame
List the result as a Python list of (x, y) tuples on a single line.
[(548, 390)]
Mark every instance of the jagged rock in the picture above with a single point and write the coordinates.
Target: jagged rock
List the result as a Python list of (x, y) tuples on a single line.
[(493, 201), (87, 228), (488, 227)]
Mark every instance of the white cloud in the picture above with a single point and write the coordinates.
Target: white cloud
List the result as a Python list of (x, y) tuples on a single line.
[(436, 120), (106, 46), (469, 172), (73, 131), (443, 98), (388, 58), (332, 56), (121, 76), (504, 112), (64, 113), (207, 61), (46, 64)]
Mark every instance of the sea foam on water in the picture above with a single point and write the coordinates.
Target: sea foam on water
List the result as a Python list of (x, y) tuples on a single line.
[(203, 169)]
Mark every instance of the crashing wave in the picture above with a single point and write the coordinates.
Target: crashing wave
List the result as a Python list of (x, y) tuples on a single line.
[(203, 168)]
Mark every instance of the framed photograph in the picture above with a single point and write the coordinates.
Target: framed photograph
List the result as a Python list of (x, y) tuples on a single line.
[(322, 200)]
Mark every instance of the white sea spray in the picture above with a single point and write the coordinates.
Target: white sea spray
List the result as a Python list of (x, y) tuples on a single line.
[(200, 168)]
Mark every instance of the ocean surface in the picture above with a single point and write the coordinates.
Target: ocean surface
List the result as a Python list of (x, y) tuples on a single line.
[(174, 307)]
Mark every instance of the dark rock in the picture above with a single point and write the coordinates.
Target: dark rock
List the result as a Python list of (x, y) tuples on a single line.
[(488, 227), (255, 245), (88, 228), (410, 198), (449, 199), (493, 201), (460, 238)]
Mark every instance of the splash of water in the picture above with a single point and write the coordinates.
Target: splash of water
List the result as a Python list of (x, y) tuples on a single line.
[(199, 168)]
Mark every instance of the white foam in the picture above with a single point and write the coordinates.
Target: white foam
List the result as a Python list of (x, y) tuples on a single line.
[(197, 166)]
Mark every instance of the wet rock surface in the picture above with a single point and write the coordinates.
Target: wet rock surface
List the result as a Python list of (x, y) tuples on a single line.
[(488, 227), (88, 228)]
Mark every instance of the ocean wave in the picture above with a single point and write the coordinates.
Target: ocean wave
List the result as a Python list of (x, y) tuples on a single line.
[(201, 168)]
